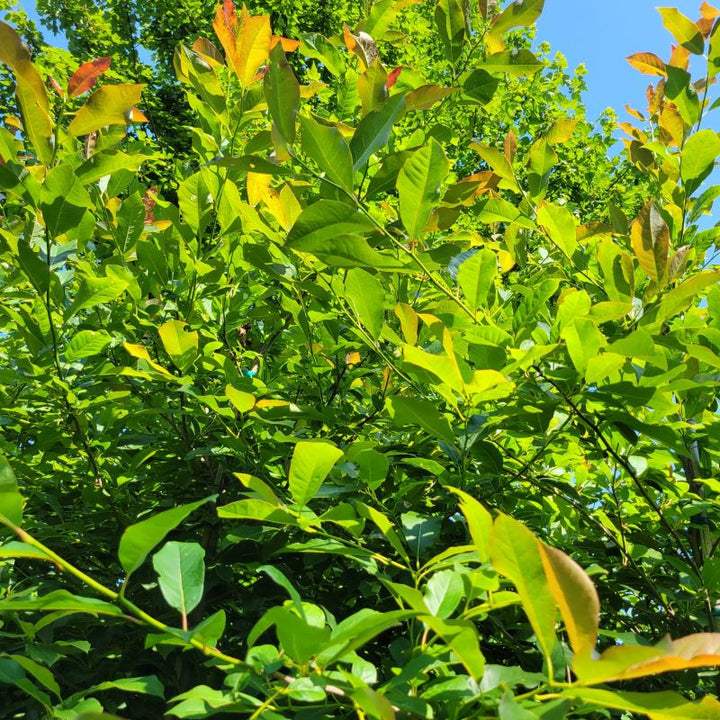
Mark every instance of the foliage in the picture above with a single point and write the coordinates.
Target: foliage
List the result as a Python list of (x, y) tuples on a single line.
[(331, 431)]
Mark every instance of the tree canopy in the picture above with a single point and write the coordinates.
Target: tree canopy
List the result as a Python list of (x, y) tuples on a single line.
[(348, 372)]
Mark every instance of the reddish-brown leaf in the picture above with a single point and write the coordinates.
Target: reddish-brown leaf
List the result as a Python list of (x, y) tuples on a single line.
[(86, 76), (56, 86), (393, 76), (223, 26)]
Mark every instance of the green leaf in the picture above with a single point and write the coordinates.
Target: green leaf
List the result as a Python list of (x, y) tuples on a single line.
[(480, 86), (698, 158), (282, 92), (108, 163), (181, 574), (11, 502), (462, 638), (86, 343), (583, 342), (450, 22), (63, 200), (110, 105), (95, 291), (359, 629), (420, 531), (514, 62), (366, 297), (476, 276), (30, 91), (443, 593), (515, 554), (329, 149), (259, 510), (148, 685), (418, 185), (311, 462), (298, 638), (138, 540), (560, 225), (327, 219), (650, 237), (416, 412), (374, 129), (479, 522), (679, 299), (181, 345), (349, 251), (521, 13), (242, 401), (684, 30), (60, 600)]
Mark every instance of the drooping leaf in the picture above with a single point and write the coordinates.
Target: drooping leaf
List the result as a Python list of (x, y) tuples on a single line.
[(650, 237), (180, 567), (11, 502), (60, 601), (575, 595), (30, 91), (450, 22), (366, 296), (282, 92)]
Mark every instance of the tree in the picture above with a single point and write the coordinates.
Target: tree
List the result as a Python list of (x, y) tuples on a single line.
[(348, 414)]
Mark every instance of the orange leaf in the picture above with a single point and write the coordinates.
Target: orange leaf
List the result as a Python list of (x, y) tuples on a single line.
[(680, 57), (86, 76), (635, 113), (708, 11), (223, 26), (137, 116), (648, 63), (208, 52), (286, 44), (626, 662), (350, 42)]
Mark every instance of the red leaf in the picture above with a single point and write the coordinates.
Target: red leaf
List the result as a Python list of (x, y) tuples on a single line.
[(229, 13), (393, 76), (86, 76), (55, 86)]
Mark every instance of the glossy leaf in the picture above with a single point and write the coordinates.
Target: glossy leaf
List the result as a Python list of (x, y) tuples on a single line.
[(683, 29), (698, 158), (450, 22), (373, 131), (110, 105)]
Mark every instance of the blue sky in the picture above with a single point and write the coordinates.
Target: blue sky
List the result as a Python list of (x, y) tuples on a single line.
[(598, 33), (601, 34)]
